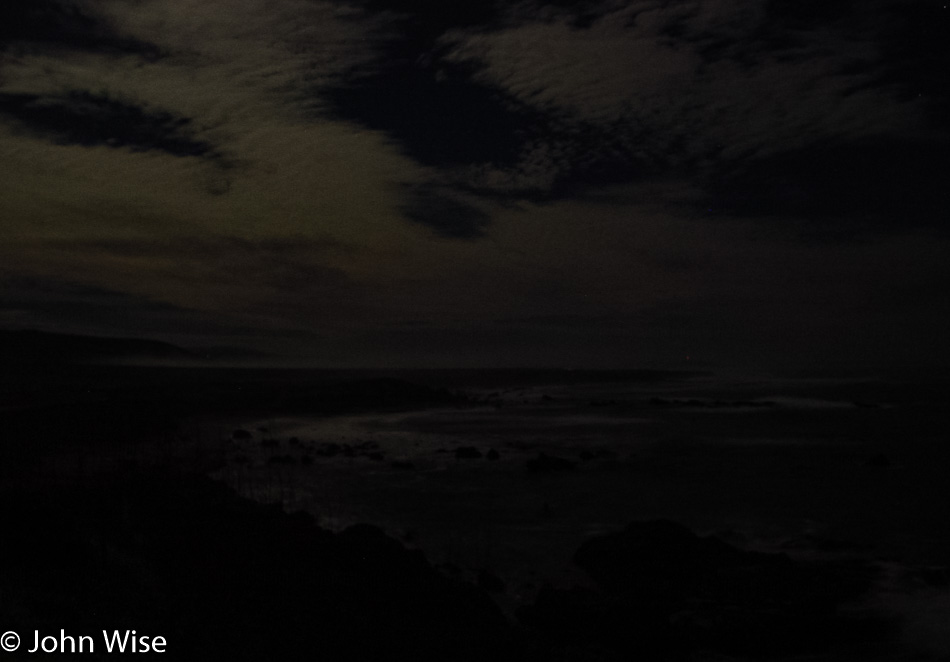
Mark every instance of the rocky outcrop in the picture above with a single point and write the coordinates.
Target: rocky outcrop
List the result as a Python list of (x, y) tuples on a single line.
[(224, 578), (663, 591), (467, 453), (545, 463)]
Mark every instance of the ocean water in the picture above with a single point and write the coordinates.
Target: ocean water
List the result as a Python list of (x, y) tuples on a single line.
[(766, 464), (505, 474)]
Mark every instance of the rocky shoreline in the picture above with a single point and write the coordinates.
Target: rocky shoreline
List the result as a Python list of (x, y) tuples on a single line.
[(222, 577)]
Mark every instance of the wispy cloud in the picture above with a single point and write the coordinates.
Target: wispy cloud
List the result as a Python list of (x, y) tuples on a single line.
[(59, 25), (84, 118), (650, 89), (341, 172)]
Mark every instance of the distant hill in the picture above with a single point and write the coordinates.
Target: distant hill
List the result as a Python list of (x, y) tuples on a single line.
[(32, 346), (228, 353)]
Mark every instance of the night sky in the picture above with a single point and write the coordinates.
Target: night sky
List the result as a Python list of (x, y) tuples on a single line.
[(747, 183)]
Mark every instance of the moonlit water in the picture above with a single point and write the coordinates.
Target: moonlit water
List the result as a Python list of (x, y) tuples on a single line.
[(766, 464)]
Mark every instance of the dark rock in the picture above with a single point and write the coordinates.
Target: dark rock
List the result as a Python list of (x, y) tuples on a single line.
[(241, 434), (661, 560), (933, 577), (467, 453), (544, 463), (811, 542), (584, 618), (224, 578), (693, 403), (451, 569), (492, 454), (402, 464), (329, 450), (663, 591), (362, 394), (489, 581), (878, 461)]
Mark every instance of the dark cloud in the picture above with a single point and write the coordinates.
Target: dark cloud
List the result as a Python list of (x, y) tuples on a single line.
[(747, 124), (437, 113), (817, 124), (236, 248), (445, 113), (574, 321), (455, 122), (756, 34), (579, 14), (275, 282), (439, 116), (56, 304), (598, 156), (63, 24), (259, 287), (916, 49), (875, 184), (574, 158), (84, 118), (433, 17), (443, 116), (445, 214), (292, 265), (808, 13)]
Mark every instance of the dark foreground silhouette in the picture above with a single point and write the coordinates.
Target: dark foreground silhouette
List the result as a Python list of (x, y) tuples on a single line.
[(662, 590), (109, 521), (224, 578)]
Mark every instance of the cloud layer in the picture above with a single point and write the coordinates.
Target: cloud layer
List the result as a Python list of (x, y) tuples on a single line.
[(396, 177)]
